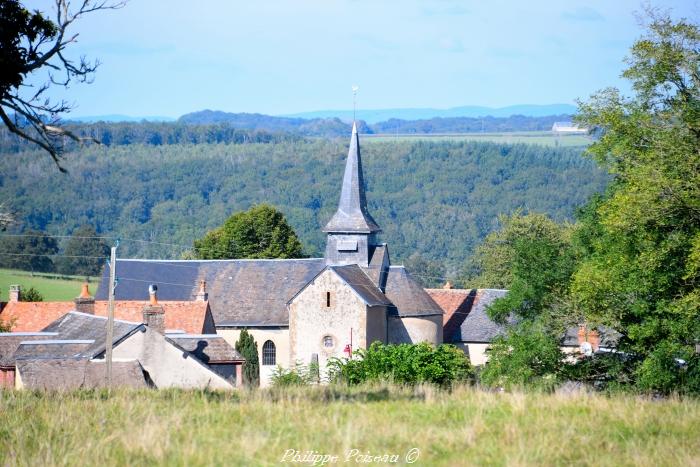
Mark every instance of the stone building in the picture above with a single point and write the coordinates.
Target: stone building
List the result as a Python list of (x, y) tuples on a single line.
[(302, 309)]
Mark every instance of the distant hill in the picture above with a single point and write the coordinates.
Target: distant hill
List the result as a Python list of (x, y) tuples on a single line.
[(472, 111), (112, 118), (337, 127)]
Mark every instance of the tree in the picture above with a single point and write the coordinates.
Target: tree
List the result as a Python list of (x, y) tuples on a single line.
[(641, 273), (30, 251), (29, 43), (428, 272), (260, 232), (248, 348), (84, 254), (31, 295)]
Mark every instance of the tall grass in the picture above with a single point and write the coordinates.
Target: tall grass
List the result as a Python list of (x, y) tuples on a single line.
[(461, 427)]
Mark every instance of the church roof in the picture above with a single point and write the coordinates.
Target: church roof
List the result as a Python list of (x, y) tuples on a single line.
[(363, 286), (407, 295), (241, 292), (352, 215)]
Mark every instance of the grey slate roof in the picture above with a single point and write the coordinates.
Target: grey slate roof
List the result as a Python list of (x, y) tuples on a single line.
[(360, 282), (66, 374), (81, 326), (241, 292), (9, 342), (407, 295), (208, 348), (477, 326), (352, 214), (378, 256)]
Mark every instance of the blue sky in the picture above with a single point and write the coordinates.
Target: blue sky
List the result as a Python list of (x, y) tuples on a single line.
[(168, 57)]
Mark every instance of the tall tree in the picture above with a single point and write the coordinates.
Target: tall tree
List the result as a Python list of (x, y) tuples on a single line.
[(248, 348), (260, 232), (642, 274), (30, 43), (84, 253), (30, 251)]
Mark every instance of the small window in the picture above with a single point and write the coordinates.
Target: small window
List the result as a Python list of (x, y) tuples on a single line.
[(269, 356), (328, 299), (328, 342)]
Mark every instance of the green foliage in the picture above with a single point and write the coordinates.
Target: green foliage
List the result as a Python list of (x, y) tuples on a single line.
[(31, 252), (84, 254), (527, 357), (18, 25), (639, 273), (404, 364), (429, 273), (531, 255), (260, 232), (30, 295), (248, 348), (435, 198), (299, 375)]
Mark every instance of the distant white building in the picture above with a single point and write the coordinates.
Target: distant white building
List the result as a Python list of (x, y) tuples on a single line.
[(568, 128)]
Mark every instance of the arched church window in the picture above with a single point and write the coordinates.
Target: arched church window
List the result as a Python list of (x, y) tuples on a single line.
[(269, 353)]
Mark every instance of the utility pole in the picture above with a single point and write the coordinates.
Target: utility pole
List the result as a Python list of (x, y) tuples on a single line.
[(110, 314)]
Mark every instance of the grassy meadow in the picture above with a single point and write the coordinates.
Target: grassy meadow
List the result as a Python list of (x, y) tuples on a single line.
[(53, 287), (464, 427), (543, 138)]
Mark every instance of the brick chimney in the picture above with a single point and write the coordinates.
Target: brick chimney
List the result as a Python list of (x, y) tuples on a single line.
[(153, 313), (85, 303), (14, 293), (591, 336), (202, 295), (448, 285)]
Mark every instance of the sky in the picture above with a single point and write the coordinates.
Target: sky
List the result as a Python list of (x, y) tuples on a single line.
[(170, 57)]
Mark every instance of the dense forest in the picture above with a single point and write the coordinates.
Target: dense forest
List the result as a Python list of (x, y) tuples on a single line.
[(436, 198)]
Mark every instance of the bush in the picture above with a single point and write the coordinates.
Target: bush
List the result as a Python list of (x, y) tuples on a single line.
[(526, 357), (247, 347), (404, 364), (30, 295), (669, 368), (300, 375)]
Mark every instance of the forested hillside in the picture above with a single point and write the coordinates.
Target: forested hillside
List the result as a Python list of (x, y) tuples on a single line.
[(439, 199)]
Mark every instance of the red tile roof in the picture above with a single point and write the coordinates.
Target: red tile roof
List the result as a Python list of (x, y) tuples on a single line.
[(193, 317), (456, 304)]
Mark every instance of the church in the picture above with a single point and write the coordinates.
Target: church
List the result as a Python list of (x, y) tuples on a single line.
[(302, 310)]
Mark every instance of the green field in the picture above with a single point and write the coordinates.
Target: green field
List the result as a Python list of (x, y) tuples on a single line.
[(53, 287), (543, 138), (464, 427)]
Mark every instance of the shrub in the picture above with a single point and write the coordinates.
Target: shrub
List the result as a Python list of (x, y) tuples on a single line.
[(404, 364), (31, 295), (526, 357), (300, 375), (668, 368), (249, 350)]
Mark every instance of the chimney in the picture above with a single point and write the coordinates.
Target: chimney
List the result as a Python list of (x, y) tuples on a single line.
[(85, 303), (591, 336), (14, 293), (202, 295), (153, 313), (448, 285)]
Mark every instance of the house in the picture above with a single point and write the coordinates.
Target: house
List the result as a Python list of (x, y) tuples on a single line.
[(70, 353), (300, 310), (568, 128)]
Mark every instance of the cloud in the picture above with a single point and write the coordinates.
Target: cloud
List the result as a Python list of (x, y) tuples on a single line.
[(583, 13)]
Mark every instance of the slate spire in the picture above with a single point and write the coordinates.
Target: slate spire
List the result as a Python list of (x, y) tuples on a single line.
[(352, 215)]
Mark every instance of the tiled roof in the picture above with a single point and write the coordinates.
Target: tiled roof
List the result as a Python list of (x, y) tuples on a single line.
[(9, 342), (190, 316), (608, 337), (407, 295), (465, 318), (363, 286), (241, 292), (81, 326), (54, 349), (67, 374), (208, 348), (33, 316)]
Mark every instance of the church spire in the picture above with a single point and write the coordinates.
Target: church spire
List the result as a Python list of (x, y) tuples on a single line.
[(352, 215)]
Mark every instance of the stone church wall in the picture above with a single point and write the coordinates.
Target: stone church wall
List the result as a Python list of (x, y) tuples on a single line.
[(415, 329)]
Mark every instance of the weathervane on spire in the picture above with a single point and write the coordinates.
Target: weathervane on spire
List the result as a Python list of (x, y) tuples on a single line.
[(355, 88)]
